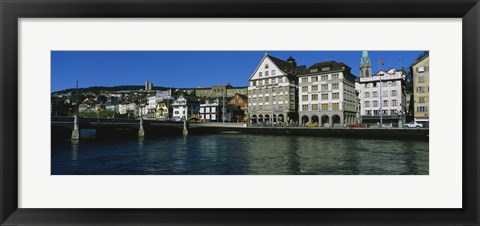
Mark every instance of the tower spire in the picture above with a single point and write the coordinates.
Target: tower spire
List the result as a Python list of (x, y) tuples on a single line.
[(365, 65)]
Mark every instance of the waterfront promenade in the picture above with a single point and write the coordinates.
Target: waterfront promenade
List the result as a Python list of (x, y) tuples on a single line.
[(62, 127)]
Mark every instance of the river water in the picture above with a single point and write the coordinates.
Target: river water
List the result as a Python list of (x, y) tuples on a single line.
[(239, 154)]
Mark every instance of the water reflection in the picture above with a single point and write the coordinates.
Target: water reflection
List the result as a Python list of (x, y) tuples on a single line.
[(241, 154)]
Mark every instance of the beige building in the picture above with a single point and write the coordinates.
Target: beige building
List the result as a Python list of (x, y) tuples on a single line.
[(220, 91), (327, 94), (421, 89), (272, 91)]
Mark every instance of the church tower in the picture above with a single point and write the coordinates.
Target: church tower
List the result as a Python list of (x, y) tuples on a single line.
[(365, 65)]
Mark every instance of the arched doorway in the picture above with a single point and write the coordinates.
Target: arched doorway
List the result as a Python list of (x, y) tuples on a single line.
[(315, 119), (336, 120), (254, 119), (304, 119), (267, 119), (325, 121), (281, 118), (260, 119)]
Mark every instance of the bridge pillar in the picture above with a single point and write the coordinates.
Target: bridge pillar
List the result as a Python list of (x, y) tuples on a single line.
[(75, 132), (185, 130), (141, 132)]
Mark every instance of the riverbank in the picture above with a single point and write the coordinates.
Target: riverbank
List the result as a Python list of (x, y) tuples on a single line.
[(363, 133)]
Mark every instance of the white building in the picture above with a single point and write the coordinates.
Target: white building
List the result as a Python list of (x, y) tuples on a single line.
[(122, 109), (382, 98), (184, 108), (272, 91), (214, 112), (327, 94)]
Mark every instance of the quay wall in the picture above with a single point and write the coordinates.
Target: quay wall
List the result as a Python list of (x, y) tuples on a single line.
[(364, 133)]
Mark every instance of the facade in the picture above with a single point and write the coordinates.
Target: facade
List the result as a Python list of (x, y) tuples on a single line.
[(184, 108), (213, 112), (327, 95), (421, 89), (272, 91), (382, 98), (238, 105), (162, 111), (220, 91)]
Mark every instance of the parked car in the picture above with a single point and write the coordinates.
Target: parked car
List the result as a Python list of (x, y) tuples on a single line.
[(413, 125)]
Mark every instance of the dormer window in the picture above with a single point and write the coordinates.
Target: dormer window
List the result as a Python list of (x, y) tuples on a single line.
[(325, 68), (313, 70)]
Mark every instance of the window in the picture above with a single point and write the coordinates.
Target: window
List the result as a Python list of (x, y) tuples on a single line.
[(266, 73), (422, 109), (385, 93), (266, 66), (305, 107), (393, 112), (367, 103), (314, 107), (260, 82), (394, 93), (420, 89), (267, 81), (324, 77), (420, 69), (394, 83), (259, 74), (366, 85), (335, 86), (376, 112), (315, 88), (324, 87), (254, 83), (267, 99), (314, 96), (374, 84), (315, 78), (324, 96), (260, 99), (367, 94), (385, 103), (280, 98), (335, 76), (313, 70), (421, 99), (304, 80), (335, 96), (384, 84), (335, 106), (375, 94), (273, 72), (394, 103), (324, 107), (273, 80), (421, 79), (304, 89), (304, 97), (325, 68), (369, 112), (375, 103)]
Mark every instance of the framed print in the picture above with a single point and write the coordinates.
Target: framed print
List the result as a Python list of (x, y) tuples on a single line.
[(225, 112)]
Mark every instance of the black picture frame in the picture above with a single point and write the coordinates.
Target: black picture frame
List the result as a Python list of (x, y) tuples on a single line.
[(12, 10)]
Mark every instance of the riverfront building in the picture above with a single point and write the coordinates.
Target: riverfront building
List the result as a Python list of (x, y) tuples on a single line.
[(327, 94), (382, 98), (185, 107), (272, 91), (421, 89)]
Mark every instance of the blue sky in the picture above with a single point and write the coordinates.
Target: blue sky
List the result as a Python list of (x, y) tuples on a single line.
[(190, 69)]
